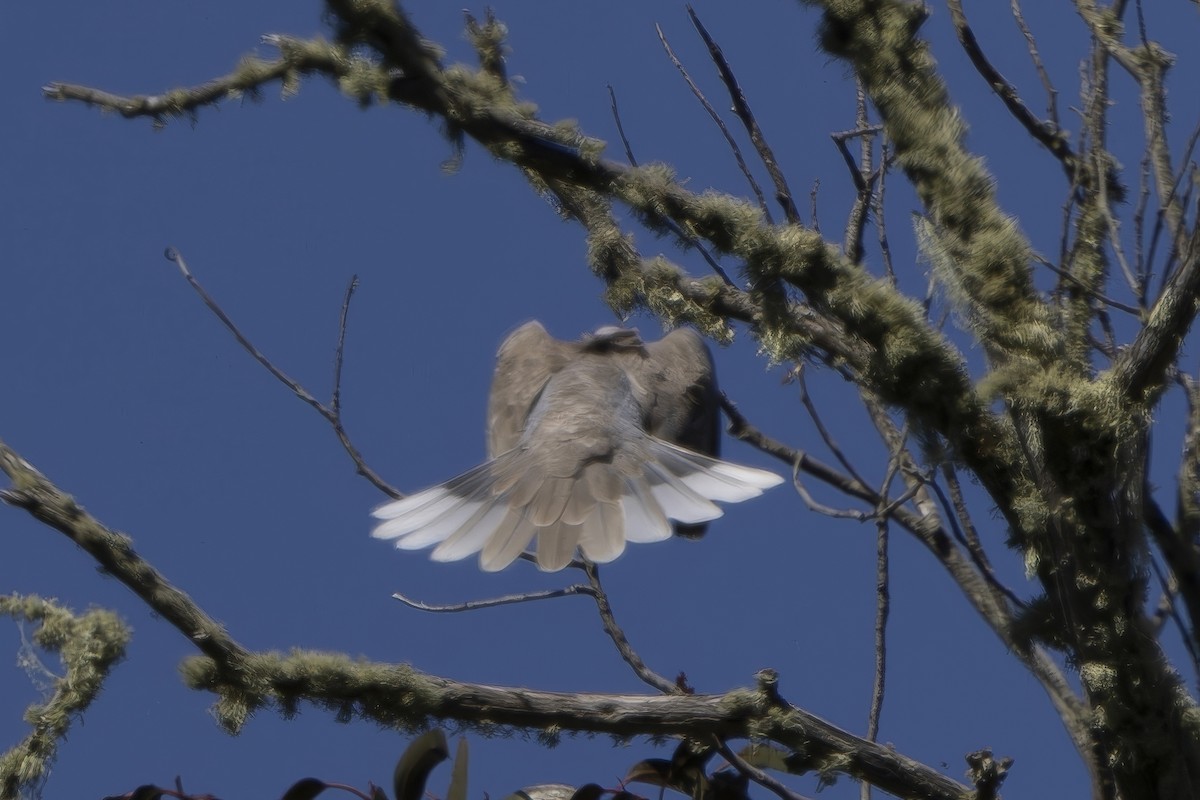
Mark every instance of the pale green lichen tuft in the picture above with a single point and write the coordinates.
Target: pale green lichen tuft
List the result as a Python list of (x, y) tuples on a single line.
[(89, 646)]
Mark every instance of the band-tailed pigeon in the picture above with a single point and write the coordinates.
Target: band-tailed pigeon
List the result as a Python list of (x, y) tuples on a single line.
[(591, 444)]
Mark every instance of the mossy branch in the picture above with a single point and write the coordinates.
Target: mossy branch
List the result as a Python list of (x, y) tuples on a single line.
[(402, 697), (89, 647), (884, 338), (987, 263)]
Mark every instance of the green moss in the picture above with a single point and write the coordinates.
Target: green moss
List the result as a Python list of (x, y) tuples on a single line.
[(89, 646)]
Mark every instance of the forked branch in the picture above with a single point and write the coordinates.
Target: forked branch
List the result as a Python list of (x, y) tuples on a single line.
[(399, 696)]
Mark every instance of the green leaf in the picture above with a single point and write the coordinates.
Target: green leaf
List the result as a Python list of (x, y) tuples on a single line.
[(589, 791), (458, 776), (654, 771), (688, 779), (305, 789), (413, 768)]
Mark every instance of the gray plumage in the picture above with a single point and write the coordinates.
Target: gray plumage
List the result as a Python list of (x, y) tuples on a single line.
[(591, 444)]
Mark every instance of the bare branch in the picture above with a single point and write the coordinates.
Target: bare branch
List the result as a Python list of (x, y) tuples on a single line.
[(1090, 292), (783, 194), (863, 175), (1185, 173), (1182, 557), (400, 696), (681, 234), (494, 602), (1047, 133), (720, 123), (826, 436), (814, 505), (986, 595), (614, 631), (1141, 370), (878, 210), (1035, 56), (761, 777), (883, 604), (616, 114), (1188, 477), (964, 532), (332, 412), (114, 552), (812, 196), (1167, 609), (335, 402)]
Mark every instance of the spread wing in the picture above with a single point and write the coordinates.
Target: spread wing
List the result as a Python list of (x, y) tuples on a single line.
[(587, 476), (527, 359), (680, 397), (683, 403)]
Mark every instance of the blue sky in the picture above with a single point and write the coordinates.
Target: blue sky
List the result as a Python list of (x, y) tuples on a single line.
[(128, 394)]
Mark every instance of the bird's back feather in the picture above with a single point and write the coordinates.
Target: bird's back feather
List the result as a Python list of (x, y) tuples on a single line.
[(592, 445)]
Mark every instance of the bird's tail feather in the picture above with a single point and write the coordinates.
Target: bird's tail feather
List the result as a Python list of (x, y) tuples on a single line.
[(498, 508)]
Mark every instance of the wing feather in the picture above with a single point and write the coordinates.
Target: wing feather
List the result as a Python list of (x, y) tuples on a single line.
[(622, 448), (525, 362)]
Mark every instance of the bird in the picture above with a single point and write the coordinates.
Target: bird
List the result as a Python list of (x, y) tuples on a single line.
[(592, 444)]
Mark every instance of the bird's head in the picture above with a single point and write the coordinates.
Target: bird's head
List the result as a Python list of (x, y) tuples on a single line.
[(612, 337)]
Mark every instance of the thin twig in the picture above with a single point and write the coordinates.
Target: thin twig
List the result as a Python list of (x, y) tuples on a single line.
[(741, 107), (885, 511), (716, 118), (616, 113), (679, 232), (335, 402), (882, 610), (1184, 562), (1159, 214), (877, 210), (1113, 226), (856, 221), (883, 604), (1108, 301), (332, 414), (1139, 224), (965, 533), (509, 599), (840, 138), (1035, 56), (815, 505), (826, 436), (628, 654), (1048, 133), (1169, 590), (399, 696), (762, 778), (812, 196)]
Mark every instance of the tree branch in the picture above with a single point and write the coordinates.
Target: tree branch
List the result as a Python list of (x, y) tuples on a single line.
[(720, 123), (1045, 132), (114, 552), (741, 107), (879, 333), (402, 697), (333, 412)]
